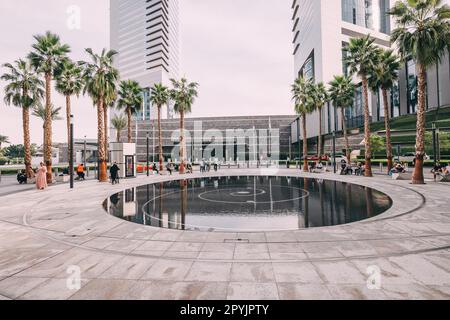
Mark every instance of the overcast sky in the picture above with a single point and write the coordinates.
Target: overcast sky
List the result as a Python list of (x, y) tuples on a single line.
[(240, 51)]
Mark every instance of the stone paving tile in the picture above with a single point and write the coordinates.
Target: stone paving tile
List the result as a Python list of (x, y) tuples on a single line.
[(52, 289), (253, 237), (210, 255), (320, 250), (355, 292), (4, 298), (252, 272), (186, 246), (101, 243), (413, 292), (168, 270), (128, 268), (102, 289), (181, 254), (163, 290), (14, 287), (296, 291), (252, 291), (125, 245), (339, 272), (424, 269), (303, 272), (285, 248), (13, 261), (356, 248), (166, 235), (209, 271), (295, 256), (219, 247)]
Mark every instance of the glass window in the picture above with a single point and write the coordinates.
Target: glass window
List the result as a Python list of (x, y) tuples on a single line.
[(307, 71), (371, 14), (412, 86)]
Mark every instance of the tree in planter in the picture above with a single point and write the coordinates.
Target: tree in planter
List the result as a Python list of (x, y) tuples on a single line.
[(24, 90), (183, 94), (319, 95), (48, 52), (101, 84), (422, 34), (119, 123), (342, 94), (377, 143), (130, 100), (304, 105), (69, 82), (361, 57), (383, 76), (160, 96), (3, 139)]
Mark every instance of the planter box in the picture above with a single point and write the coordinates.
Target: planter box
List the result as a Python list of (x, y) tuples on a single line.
[(64, 178)]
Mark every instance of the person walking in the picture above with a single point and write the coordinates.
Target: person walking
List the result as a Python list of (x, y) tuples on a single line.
[(114, 170), (41, 177), (80, 172)]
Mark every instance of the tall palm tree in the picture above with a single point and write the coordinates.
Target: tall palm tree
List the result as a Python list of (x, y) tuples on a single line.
[(342, 93), (183, 94), (40, 112), (24, 90), (383, 76), (3, 139), (160, 96), (69, 82), (119, 122), (130, 100), (422, 34), (101, 83), (361, 57), (110, 102), (319, 95), (48, 52), (304, 104)]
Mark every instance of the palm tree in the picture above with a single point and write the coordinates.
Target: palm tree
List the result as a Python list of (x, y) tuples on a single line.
[(342, 93), (24, 90), (40, 112), (360, 58), (160, 96), (48, 52), (119, 122), (3, 139), (383, 76), (69, 82), (320, 97), (130, 100), (101, 81), (422, 34), (304, 104), (183, 94)]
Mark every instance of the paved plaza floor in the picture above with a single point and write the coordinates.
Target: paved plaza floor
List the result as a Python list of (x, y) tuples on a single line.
[(46, 237)]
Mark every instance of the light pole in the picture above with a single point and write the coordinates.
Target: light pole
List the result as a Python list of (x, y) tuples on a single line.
[(71, 152), (334, 140), (84, 153), (148, 160), (434, 143)]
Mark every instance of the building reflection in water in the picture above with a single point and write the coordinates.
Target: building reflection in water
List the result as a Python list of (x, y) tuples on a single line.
[(247, 203)]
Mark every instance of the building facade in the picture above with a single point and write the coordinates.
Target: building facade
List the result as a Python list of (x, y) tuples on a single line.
[(225, 139), (322, 28), (145, 34)]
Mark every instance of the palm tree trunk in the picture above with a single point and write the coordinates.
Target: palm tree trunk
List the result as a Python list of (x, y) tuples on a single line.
[(368, 152), (418, 177), (105, 123), (26, 141), (182, 142), (102, 176), (344, 129), (305, 145), (68, 112), (388, 130), (48, 150), (117, 135), (319, 153), (129, 124), (161, 158)]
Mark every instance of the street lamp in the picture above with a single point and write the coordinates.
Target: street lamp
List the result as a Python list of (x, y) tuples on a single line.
[(71, 152), (148, 160), (334, 140), (84, 153), (434, 143)]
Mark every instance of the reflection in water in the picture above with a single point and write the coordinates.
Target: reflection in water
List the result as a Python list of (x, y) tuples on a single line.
[(247, 203)]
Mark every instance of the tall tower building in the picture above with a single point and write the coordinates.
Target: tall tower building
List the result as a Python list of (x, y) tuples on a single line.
[(145, 33)]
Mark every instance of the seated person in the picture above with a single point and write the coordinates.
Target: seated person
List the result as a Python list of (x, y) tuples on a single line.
[(447, 170), (155, 168), (169, 167), (80, 172), (22, 177), (312, 167), (345, 168), (189, 168), (359, 171)]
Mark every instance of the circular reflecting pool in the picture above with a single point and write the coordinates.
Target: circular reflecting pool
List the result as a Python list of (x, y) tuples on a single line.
[(247, 203)]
